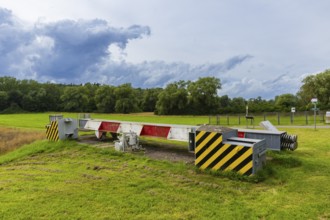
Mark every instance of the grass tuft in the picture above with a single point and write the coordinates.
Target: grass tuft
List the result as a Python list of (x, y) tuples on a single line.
[(286, 159)]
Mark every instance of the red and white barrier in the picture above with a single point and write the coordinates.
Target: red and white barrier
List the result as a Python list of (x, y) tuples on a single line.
[(168, 131)]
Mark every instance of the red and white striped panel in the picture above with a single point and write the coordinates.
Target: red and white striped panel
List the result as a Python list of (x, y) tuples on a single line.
[(169, 131)]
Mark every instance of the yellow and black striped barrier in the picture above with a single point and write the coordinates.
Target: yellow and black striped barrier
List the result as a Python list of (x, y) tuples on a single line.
[(215, 152), (62, 129), (52, 133)]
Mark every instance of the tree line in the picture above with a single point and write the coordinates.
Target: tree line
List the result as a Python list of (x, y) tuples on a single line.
[(178, 98)]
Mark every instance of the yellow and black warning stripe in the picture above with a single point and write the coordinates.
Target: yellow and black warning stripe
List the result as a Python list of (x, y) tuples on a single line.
[(212, 153), (52, 131)]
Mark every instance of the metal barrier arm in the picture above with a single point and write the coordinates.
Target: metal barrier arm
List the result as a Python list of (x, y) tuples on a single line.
[(168, 131)]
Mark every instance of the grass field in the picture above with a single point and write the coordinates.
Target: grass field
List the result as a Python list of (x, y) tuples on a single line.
[(67, 180), (39, 120), (281, 119)]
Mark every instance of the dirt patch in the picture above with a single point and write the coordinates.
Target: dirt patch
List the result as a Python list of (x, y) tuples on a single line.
[(168, 152), (154, 150)]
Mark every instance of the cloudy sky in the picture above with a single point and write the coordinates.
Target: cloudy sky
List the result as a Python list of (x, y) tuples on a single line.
[(257, 48)]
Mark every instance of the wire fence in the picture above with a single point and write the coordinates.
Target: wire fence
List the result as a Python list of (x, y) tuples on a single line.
[(276, 118)]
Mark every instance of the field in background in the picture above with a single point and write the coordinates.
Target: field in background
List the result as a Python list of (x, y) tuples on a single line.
[(39, 120), (69, 180), (297, 119)]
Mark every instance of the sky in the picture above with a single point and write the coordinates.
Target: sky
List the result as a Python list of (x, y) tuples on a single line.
[(256, 48)]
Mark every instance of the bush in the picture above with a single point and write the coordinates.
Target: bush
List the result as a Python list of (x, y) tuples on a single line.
[(14, 108)]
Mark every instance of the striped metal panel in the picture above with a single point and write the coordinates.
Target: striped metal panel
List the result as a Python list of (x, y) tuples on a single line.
[(212, 153), (52, 131)]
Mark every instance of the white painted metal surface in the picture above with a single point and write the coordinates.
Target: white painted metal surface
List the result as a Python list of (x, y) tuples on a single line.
[(130, 127), (268, 126), (180, 133), (93, 125)]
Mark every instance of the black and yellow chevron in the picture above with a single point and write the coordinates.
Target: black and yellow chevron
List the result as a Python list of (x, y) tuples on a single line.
[(52, 131), (212, 153)]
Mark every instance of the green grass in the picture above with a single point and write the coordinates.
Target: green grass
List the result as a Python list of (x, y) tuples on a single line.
[(39, 120), (284, 119), (67, 180)]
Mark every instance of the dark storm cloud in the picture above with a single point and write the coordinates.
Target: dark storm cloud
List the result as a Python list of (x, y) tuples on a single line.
[(62, 50), (14, 40), (248, 87), (6, 16), (79, 45), (160, 73)]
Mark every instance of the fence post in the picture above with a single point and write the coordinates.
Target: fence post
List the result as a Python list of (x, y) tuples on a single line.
[(218, 119), (306, 116), (239, 120), (227, 120), (264, 116), (278, 118)]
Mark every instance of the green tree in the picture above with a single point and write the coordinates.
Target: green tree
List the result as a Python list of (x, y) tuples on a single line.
[(52, 100), (315, 86), (238, 105), (126, 99), (253, 105), (91, 92), (15, 96), (74, 99), (8, 83), (173, 100), (224, 102), (105, 99), (35, 100), (203, 95), (150, 98), (3, 100), (27, 85), (285, 102)]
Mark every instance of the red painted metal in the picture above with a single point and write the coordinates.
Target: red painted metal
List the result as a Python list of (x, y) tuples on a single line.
[(109, 126), (241, 134), (155, 131)]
